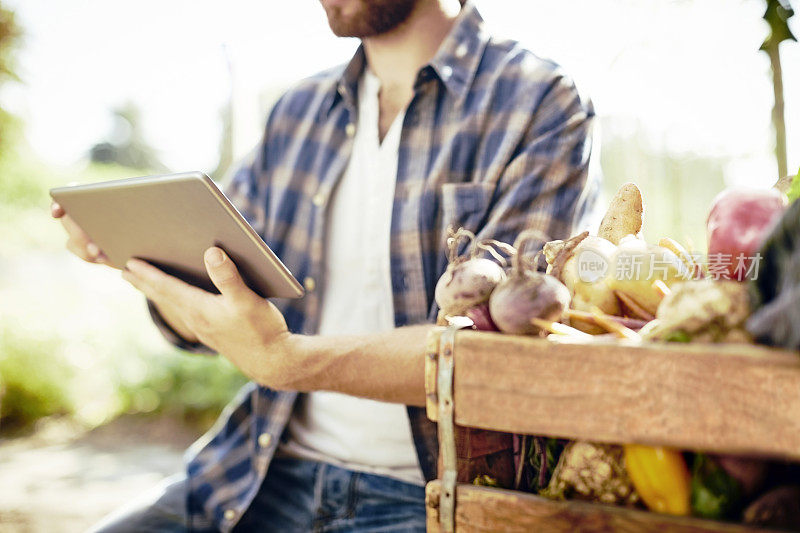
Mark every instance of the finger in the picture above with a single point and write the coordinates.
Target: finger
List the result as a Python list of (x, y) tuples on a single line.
[(96, 253), (74, 230), (87, 253), (226, 277), (79, 249), (160, 286), (83, 246), (56, 210)]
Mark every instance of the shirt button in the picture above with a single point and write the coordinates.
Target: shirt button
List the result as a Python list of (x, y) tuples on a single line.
[(462, 50), (264, 440), (318, 199), (447, 71), (309, 284), (230, 514), (350, 129)]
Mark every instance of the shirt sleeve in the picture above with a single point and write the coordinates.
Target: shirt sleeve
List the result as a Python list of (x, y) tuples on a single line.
[(245, 189), (546, 185), (173, 337)]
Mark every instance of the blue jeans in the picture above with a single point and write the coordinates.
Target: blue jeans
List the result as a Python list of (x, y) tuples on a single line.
[(296, 495)]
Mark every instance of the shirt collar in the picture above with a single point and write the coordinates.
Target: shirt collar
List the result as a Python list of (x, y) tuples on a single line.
[(347, 84), (455, 63)]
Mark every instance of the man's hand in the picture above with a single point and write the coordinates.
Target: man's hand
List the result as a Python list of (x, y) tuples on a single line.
[(78, 242), (252, 333), (237, 323)]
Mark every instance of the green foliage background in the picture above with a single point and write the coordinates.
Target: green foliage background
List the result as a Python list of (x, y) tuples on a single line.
[(74, 339)]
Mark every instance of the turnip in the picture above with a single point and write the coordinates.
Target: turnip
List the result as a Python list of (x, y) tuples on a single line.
[(469, 279), (527, 293)]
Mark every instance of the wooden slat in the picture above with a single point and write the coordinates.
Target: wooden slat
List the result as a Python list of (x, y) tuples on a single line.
[(488, 509), (728, 398), (431, 371)]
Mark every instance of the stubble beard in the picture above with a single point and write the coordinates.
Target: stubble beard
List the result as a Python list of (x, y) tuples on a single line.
[(371, 18)]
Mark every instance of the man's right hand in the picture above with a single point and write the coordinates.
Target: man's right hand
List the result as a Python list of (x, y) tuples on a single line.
[(79, 243)]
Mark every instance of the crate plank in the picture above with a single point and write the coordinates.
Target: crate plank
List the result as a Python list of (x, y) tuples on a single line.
[(740, 399), (489, 509), (431, 371)]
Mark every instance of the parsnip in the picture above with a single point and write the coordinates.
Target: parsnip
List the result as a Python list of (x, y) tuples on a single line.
[(676, 248)]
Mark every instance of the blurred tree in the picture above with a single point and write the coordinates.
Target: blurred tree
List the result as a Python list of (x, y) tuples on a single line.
[(226, 116), (127, 145), (10, 35), (19, 182), (777, 15), (225, 143)]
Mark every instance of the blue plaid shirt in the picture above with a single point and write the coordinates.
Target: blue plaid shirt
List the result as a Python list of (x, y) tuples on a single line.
[(495, 139)]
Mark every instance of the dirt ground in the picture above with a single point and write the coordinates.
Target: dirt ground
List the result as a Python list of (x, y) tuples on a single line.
[(63, 479)]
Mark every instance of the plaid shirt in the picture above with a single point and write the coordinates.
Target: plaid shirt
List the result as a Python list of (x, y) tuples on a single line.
[(495, 139)]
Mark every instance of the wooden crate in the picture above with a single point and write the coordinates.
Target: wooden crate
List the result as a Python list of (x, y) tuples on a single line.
[(739, 399), (489, 509)]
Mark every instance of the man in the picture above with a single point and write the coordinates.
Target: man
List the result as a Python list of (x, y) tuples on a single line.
[(360, 172)]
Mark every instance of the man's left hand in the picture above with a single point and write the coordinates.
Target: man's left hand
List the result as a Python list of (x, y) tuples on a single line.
[(236, 323)]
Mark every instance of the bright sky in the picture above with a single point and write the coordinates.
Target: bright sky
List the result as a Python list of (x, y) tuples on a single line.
[(689, 72)]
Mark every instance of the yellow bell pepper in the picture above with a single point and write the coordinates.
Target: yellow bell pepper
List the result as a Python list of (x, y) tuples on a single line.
[(661, 478)]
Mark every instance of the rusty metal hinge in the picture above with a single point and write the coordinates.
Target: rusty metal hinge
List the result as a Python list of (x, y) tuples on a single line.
[(447, 433)]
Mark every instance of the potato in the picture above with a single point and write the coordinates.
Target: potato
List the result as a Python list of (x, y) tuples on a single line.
[(624, 215), (636, 264), (581, 263), (590, 289)]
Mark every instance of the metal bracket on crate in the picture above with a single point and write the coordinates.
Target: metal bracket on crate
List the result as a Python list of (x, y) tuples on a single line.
[(447, 430)]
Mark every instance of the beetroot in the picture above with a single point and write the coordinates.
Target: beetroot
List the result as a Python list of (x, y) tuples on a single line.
[(737, 226), (481, 318), (527, 293), (468, 280)]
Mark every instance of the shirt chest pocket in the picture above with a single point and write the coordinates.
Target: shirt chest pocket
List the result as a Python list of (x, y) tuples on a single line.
[(465, 204)]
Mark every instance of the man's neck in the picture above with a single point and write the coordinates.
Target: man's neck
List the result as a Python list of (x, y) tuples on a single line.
[(396, 56)]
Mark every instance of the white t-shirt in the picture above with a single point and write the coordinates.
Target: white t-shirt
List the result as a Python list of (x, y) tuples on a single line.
[(355, 433)]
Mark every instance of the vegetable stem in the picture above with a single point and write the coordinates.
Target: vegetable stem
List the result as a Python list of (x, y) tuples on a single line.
[(613, 327)]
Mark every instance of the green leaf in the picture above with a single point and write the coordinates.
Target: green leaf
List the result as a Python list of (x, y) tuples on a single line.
[(678, 336), (777, 15), (715, 494), (794, 188), (485, 481)]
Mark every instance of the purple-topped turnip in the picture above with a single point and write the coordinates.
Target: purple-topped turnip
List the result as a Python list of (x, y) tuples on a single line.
[(527, 293), (469, 279)]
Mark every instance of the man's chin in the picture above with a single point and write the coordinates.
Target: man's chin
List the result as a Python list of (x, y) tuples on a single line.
[(360, 18)]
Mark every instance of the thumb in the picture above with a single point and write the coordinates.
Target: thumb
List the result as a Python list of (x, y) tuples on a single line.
[(225, 275)]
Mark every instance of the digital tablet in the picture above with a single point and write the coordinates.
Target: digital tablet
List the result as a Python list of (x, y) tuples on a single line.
[(169, 221)]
